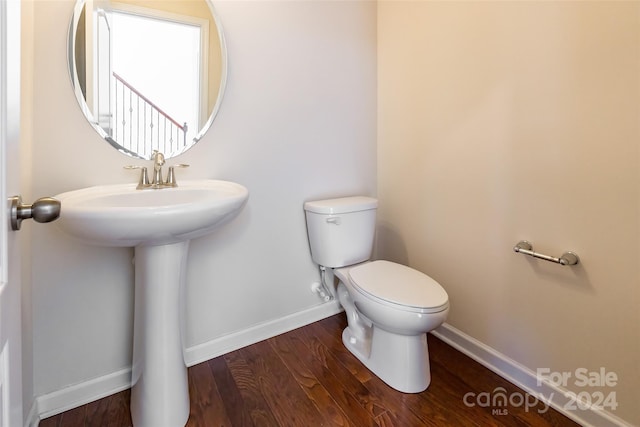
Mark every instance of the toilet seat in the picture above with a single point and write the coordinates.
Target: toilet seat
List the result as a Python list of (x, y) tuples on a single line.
[(398, 285)]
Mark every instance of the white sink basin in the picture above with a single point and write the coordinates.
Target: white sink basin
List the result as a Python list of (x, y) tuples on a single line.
[(120, 215)]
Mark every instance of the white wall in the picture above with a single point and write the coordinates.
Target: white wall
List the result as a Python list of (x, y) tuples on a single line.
[(297, 123), (502, 121)]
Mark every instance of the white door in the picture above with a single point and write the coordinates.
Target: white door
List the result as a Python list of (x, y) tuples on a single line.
[(10, 289)]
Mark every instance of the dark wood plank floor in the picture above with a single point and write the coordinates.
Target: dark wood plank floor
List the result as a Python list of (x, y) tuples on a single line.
[(307, 378)]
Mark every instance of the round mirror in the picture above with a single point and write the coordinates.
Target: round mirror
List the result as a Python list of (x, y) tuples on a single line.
[(148, 74)]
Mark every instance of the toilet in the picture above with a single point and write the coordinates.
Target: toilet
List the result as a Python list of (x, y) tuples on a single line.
[(390, 307)]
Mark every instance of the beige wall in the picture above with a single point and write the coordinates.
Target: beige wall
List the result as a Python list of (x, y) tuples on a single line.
[(502, 121)]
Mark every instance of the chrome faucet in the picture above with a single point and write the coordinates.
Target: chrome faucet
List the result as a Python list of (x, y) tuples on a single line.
[(157, 182)]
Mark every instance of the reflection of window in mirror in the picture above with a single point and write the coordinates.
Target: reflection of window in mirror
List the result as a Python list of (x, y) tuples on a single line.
[(141, 69), (147, 48), (102, 108)]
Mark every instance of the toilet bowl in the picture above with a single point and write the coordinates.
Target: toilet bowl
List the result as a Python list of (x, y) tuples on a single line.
[(390, 307), (386, 334)]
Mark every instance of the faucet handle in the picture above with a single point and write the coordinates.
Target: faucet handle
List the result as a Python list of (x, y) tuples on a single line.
[(144, 177), (171, 176), (158, 159)]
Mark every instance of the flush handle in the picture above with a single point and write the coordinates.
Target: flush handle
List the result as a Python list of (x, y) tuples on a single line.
[(334, 220), (45, 209)]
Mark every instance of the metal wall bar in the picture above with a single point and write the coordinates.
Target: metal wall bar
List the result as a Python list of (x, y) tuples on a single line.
[(567, 258)]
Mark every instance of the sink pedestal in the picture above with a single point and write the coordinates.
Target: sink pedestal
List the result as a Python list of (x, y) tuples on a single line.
[(160, 390), (159, 224)]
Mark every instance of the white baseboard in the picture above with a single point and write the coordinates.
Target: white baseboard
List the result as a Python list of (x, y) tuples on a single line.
[(234, 341), (32, 419), (556, 397), (76, 395), (71, 397)]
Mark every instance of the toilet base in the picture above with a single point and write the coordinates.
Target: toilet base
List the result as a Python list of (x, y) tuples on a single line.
[(401, 361)]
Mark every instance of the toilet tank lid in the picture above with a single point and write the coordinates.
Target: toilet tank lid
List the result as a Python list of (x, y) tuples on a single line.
[(341, 205)]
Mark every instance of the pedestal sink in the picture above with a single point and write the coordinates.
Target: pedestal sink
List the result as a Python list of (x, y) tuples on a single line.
[(159, 224)]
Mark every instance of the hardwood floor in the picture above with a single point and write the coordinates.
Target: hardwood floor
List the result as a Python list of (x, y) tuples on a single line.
[(307, 378)]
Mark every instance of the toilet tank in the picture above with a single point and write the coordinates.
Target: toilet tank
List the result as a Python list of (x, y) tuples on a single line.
[(341, 230)]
